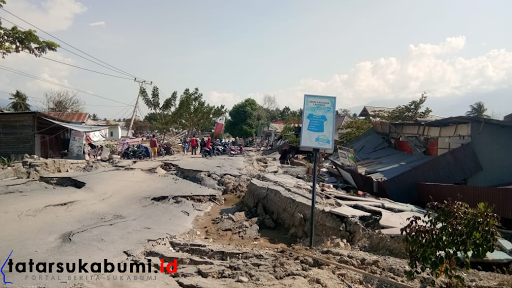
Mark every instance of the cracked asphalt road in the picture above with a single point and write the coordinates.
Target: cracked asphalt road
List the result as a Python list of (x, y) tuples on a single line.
[(112, 216)]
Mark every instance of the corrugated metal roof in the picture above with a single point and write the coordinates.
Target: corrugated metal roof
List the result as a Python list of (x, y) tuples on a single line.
[(81, 128), (69, 116), (466, 119), (376, 158)]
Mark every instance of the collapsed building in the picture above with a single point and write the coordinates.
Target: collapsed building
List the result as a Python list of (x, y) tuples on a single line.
[(459, 158), (43, 135)]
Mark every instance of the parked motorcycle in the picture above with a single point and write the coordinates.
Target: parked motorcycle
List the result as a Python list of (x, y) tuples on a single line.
[(234, 151), (165, 149), (206, 152)]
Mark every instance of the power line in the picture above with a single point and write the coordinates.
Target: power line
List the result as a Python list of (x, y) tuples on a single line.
[(57, 84), (118, 70), (63, 48), (64, 63)]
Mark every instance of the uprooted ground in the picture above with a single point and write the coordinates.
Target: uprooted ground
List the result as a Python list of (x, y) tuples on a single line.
[(146, 210)]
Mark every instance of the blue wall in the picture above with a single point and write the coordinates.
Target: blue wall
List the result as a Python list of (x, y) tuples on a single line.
[(493, 146)]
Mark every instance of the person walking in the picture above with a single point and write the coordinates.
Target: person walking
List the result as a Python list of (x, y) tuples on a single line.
[(153, 144), (202, 145), (193, 144)]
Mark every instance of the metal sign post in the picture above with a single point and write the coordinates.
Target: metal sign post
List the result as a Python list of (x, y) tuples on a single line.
[(313, 197), (317, 133)]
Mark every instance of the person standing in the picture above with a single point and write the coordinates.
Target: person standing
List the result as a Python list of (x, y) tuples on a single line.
[(193, 144), (153, 144), (209, 145)]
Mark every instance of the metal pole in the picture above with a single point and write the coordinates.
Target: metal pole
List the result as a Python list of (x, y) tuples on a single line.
[(134, 110), (313, 196)]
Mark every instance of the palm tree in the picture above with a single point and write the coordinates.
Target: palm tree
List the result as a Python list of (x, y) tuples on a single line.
[(477, 110), (19, 102)]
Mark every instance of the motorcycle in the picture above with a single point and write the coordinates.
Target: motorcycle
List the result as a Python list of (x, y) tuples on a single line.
[(165, 149), (234, 151), (206, 152)]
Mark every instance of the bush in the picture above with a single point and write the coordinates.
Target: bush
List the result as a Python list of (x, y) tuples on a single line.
[(441, 243)]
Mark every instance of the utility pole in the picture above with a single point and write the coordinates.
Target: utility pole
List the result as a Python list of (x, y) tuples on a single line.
[(141, 82)]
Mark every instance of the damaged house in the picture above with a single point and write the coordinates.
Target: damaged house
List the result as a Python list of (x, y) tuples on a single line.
[(37, 133), (464, 158)]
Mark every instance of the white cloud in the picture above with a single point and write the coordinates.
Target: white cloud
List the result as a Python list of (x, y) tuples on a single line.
[(99, 23), (51, 15), (219, 98), (47, 70), (434, 68)]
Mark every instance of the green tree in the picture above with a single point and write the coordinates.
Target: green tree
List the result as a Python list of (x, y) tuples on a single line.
[(194, 114), (160, 119), (354, 129), (285, 113), (95, 117), (409, 112), (19, 102), (243, 119), (477, 110), (441, 241), (14, 40), (139, 127)]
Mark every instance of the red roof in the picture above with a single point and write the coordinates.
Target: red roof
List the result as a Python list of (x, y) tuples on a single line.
[(69, 116)]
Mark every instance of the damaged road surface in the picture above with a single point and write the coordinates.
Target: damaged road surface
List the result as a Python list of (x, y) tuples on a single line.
[(114, 215)]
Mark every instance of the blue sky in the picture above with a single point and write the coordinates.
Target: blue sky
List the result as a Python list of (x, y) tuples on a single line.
[(363, 52)]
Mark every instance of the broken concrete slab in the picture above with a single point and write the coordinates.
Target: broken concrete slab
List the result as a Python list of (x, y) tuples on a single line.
[(505, 245), (391, 231), (347, 211), (494, 257), (146, 165), (221, 165), (396, 220)]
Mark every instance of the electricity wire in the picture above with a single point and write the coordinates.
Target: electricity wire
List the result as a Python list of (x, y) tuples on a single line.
[(118, 70), (57, 84)]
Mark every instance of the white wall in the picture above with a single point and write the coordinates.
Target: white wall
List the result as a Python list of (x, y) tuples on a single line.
[(114, 133)]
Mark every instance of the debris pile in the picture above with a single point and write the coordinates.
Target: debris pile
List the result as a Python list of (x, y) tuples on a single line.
[(233, 185), (239, 225)]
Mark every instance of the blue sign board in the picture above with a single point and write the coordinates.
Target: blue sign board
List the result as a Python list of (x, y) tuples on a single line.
[(318, 122)]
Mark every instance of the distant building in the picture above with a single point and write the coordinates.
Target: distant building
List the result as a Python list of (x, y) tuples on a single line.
[(339, 122), (279, 125), (508, 117), (368, 111)]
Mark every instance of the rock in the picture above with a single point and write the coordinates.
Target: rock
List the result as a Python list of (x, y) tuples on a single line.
[(240, 216), (19, 171), (115, 157), (226, 225), (159, 170), (272, 169), (337, 243), (232, 217), (6, 173), (253, 231), (215, 177), (242, 279)]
